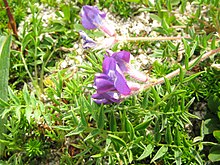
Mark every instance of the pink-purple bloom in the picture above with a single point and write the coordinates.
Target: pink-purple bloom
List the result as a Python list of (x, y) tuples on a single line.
[(110, 84), (92, 18), (123, 59), (87, 41)]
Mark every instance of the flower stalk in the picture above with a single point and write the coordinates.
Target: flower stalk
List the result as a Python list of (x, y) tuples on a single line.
[(177, 71), (133, 39)]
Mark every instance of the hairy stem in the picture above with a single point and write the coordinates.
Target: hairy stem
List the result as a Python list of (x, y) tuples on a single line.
[(120, 38), (176, 72)]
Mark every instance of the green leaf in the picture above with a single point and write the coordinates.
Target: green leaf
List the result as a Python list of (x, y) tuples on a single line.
[(92, 134), (78, 27), (177, 138), (214, 154), (26, 95), (117, 140), (167, 83), (113, 125), (216, 134), (3, 104), (192, 76), (130, 156), (181, 75), (135, 1), (76, 131), (156, 95), (169, 5), (162, 151), (66, 12), (129, 127), (168, 135), (28, 113), (145, 100), (211, 125), (147, 151), (213, 43), (61, 127), (155, 17), (193, 48), (101, 117), (214, 103), (5, 44), (189, 103), (177, 155), (164, 24), (196, 156), (196, 62), (82, 115), (157, 136), (143, 125), (18, 112), (186, 142)]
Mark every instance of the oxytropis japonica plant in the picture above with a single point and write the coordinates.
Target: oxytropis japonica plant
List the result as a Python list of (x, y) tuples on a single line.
[(112, 84)]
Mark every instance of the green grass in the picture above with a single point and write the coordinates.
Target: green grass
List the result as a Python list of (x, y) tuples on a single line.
[(49, 108)]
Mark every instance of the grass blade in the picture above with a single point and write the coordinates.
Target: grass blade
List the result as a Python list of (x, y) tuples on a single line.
[(5, 43)]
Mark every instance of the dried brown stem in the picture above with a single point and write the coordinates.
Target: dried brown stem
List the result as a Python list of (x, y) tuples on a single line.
[(11, 19)]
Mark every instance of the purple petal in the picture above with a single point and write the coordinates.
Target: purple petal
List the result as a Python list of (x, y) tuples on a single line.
[(106, 98), (88, 42), (112, 96), (121, 84), (109, 64), (91, 17), (104, 85), (122, 58), (122, 55), (99, 99)]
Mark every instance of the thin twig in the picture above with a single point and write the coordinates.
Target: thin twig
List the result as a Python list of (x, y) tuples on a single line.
[(176, 72), (120, 38), (11, 19)]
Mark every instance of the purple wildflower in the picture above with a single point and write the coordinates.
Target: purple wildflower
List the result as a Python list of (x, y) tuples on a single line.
[(87, 41), (92, 18), (123, 60), (110, 84), (107, 97)]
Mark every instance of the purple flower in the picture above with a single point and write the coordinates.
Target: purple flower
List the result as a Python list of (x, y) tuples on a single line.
[(90, 43), (87, 41), (111, 69), (110, 84), (106, 98), (92, 18), (123, 59)]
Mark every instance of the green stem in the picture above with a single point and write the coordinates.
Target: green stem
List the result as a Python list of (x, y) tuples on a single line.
[(25, 65), (42, 71), (35, 59), (29, 74)]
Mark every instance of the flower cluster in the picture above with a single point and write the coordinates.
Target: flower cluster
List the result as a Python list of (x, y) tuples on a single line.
[(93, 18), (111, 84)]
